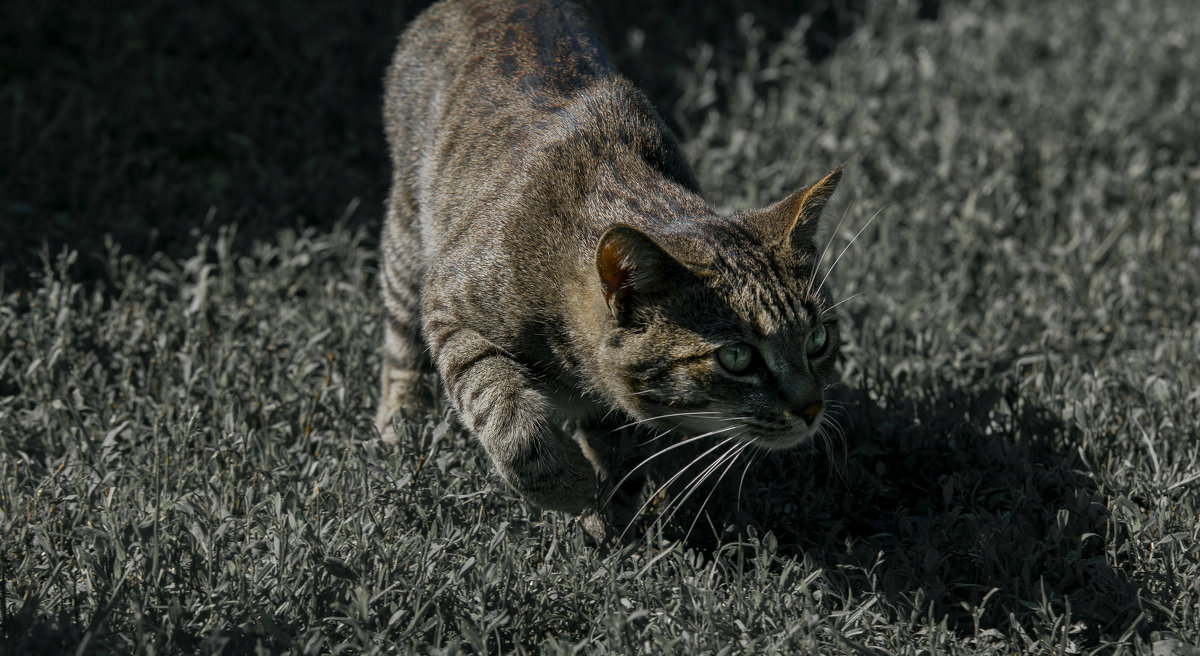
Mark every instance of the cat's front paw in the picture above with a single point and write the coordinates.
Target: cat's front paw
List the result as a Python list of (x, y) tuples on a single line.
[(553, 475)]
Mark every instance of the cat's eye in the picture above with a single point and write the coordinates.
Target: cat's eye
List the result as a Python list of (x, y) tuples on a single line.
[(818, 339), (736, 358)]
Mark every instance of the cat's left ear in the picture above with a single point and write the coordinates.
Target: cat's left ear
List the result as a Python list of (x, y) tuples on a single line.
[(798, 215), (631, 265)]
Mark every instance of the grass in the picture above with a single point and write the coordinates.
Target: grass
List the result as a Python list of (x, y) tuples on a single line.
[(185, 424)]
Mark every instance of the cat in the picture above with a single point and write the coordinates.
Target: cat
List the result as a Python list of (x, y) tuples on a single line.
[(547, 252)]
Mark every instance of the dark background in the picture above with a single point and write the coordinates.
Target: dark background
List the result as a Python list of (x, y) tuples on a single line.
[(151, 121)]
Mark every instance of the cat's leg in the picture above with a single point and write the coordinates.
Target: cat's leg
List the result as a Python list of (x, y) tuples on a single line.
[(405, 357), (609, 447), (496, 400)]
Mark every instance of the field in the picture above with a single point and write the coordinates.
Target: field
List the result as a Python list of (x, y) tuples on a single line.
[(189, 324)]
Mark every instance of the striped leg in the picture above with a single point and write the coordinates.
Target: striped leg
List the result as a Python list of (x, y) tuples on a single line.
[(498, 404), (404, 355)]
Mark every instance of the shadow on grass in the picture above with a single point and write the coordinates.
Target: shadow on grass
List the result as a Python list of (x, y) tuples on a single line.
[(965, 502), (156, 122), (149, 121)]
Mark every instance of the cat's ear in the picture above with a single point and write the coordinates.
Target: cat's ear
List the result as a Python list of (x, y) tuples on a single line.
[(798, 215), (629, 264)]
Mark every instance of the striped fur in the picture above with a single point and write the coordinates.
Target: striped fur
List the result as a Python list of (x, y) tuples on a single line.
[(546, 251)]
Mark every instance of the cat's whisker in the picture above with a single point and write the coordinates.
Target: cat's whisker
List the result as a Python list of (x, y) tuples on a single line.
[(841, 410), (610, 412), (663, 451), (638, 422), (668, 512), (836, 412), (673, 478), (821, 260), (703, 504), (823, 436), (663, 434), (699, 479), (690, 464), (848, 245), (754, 455), (848, 298), (658, 435), (830, 433)]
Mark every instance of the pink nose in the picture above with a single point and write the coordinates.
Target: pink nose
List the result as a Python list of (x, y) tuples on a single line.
[(810, 413)]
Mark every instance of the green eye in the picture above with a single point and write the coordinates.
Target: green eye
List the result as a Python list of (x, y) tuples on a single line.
[(817, 340), (736, 358)]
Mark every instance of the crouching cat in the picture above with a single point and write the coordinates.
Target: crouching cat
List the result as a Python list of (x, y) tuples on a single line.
[(546, 251)]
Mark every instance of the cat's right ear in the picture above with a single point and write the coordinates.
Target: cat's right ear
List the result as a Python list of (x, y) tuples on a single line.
[(799, 214), (630, 264)]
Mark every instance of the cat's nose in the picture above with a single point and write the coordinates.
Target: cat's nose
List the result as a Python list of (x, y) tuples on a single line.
[(807, 407), (800, 395), (810, 412)]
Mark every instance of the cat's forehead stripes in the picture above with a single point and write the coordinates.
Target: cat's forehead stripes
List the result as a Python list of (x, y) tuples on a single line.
[(776, 308), (764, 291)]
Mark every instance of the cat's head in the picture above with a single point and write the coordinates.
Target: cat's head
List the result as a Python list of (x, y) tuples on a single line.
[(723, 327)]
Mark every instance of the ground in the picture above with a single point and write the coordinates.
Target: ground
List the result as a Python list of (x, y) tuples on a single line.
[(189, 345)]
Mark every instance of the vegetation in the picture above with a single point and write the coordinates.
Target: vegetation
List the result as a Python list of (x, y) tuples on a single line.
[(185, 415)]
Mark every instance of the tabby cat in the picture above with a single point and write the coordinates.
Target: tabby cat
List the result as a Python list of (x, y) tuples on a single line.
[(546, 251)]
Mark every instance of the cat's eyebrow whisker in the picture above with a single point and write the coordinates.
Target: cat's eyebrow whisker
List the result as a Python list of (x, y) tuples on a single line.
[(848, 245), (850, 297), (673, 478), (821, 260), (659, 453)]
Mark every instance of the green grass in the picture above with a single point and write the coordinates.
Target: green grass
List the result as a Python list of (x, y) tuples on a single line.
[(188, 463)]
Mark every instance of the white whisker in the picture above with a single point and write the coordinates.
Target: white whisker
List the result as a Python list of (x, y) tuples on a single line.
[(677, 414), (699, 479), (659, 453), (851, 243), (715, 485), (821, 260), (668, 431), (848, 298), (831, 432), (741, 481), (673, 478)]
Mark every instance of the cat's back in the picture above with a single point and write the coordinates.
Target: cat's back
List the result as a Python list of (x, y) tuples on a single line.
[(466, 64), (534, 45)]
